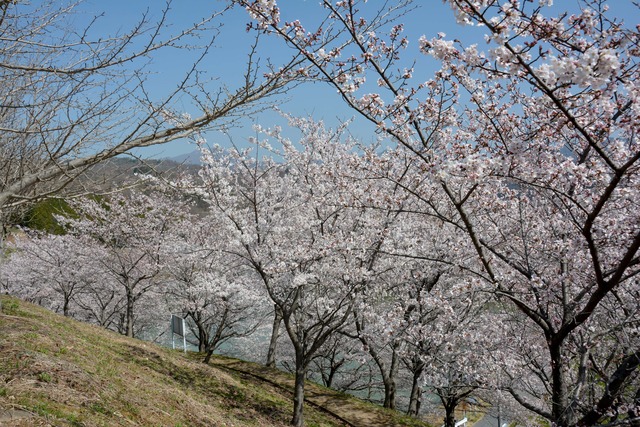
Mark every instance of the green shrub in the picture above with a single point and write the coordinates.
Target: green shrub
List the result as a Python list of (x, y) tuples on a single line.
[(41, 216)]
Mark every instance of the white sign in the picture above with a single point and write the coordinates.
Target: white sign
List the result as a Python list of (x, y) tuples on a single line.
[(177, 325), (177, 328)]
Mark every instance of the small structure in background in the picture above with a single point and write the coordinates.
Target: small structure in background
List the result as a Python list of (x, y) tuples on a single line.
[(177, 328)]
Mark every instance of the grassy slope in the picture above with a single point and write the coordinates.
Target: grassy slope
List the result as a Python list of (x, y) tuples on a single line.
[(67, 373)]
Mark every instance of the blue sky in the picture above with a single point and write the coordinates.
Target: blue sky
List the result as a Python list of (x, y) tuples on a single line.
[(227, 60)]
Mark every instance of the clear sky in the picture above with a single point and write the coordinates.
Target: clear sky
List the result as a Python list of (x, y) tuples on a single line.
[(227, 61)]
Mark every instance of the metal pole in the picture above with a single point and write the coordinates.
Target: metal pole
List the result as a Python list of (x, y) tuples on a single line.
[(184, 337), (173, 339)]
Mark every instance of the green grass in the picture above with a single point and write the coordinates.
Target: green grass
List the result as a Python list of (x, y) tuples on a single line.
[(10, 307)]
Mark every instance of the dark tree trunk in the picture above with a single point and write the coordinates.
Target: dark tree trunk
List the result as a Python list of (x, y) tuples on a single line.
[(389, 392), (449, 415), (203, 333), (203, 339), (273, 343), (416, 395), (65, 306), (560, 411), (298, 395), (328, 378), (388, 377), (614, 387), (122, 323), (389, 380), (129, 314)]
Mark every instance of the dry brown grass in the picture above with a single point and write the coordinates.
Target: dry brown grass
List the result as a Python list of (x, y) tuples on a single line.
[(59, 372)]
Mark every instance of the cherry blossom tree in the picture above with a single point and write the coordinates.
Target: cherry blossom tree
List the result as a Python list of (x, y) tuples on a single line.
[(379, 327), (420, 314), (209, 287), (102, 302), (338, 365), (133, 229), (295, 229), (528, 148), (396, 301), (459, 349), (55, 271)]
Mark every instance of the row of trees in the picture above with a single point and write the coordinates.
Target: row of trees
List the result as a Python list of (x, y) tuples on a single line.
[(527, 151), (493, 248), (289, 235), (126, 263), (351, 268)]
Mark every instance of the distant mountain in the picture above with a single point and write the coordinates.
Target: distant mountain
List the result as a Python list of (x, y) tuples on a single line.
[(123, 171), (192, 158)]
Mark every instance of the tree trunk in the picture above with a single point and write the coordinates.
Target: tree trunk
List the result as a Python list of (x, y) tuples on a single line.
[(298, 395), (416, 395), (203, 339), (389, 380), (389, 392), (328, 379), (122, 323), (449, 419), (65, 306), (614, 387), (203, 333), (560, 410), (388, 377), (273, 343), (449, 415), (129, 314)]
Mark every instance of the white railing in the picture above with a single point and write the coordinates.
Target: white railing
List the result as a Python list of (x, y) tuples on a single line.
[(461, 423)]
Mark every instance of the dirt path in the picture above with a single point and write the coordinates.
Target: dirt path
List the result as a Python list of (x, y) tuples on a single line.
[(353, 412)]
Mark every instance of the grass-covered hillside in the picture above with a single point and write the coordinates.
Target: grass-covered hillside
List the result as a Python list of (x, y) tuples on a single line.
[(60, 372)]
